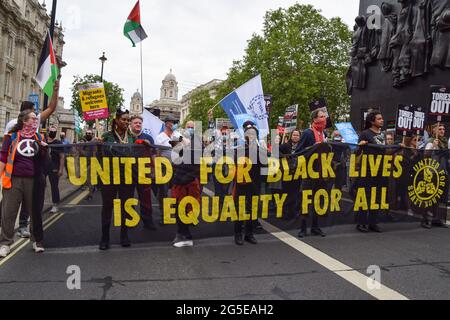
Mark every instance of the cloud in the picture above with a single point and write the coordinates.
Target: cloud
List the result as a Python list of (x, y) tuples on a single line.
[(198, 39)]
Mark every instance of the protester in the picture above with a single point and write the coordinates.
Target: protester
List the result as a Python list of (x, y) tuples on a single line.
[(88, 150), (163, 140), (144, 191), (248, 189), (19, 157), (56, 168), (290, 152), (437, 149), (185, 183), (368, 220), (310, 137), (390, 140), (119, 135), (222, 148), (39, 195), (64, 141)]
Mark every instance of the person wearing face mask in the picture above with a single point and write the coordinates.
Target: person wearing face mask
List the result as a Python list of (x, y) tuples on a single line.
[(310, 137), (19, 159), (88, 151), (56, 168), (163, 139), (248, 189)]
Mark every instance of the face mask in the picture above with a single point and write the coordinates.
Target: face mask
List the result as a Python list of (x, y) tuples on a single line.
[(190, 131), (52, 134), (321, 124), (175, 127), (89, 138), (30, 129)]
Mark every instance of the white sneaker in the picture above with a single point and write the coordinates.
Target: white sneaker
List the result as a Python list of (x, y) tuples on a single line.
[(23, 233), (38, 248), (181, 244), (54, 209), (4, 251)]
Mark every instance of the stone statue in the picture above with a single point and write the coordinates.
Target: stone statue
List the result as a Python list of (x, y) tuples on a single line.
[(400, 44), (420, 44), (439, 11), (386, 56)]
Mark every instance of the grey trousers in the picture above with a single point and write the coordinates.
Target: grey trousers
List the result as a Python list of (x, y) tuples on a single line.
[(20, 193)]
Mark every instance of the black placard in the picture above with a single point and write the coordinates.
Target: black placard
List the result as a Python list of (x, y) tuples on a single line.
[(440, 104)]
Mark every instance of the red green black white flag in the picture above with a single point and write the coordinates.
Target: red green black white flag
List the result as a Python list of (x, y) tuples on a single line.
[(133, 29), (47, 73)]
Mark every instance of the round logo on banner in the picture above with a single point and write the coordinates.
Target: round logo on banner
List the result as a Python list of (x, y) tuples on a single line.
[(28, 148), (428, 184), (257, 107)]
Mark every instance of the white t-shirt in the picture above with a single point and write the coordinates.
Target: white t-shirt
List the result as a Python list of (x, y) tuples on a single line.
[(13, 122), (164, 140)]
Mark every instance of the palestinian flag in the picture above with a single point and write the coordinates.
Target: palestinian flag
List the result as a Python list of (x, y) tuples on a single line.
[(47, 72), (133, 29)]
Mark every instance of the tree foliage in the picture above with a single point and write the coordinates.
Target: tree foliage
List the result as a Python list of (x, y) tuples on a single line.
[(114, 94), (301, 56)]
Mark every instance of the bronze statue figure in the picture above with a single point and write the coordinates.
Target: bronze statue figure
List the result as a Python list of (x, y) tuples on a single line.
[(420, 44), (386, 55), (440, 26), (400, 44)]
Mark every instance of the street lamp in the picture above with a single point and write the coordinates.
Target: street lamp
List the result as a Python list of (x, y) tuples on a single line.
[(103, 59)]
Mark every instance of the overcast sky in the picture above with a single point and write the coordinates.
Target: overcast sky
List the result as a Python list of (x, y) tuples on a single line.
[(198, 39)]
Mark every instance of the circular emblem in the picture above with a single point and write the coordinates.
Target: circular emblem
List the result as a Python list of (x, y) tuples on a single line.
[(28, 148), (428, 184), (257, 107)]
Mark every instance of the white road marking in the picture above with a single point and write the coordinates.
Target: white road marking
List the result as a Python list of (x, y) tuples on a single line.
[(48, 223), (347, 273)]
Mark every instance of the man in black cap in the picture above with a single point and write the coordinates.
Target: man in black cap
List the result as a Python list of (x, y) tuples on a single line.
[(164, 139), (251, 150)]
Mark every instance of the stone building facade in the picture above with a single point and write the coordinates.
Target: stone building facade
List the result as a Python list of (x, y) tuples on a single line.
[(186, 100), (136, 104), (64, 120), (23, 26), (168, 102)]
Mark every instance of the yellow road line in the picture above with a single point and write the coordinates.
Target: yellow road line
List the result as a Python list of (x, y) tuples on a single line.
[(47, 224), (347, 273)]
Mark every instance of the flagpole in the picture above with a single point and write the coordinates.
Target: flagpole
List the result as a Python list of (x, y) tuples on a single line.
[(142, 80)]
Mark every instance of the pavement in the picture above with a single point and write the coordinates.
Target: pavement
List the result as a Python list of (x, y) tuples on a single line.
[(412, 263)]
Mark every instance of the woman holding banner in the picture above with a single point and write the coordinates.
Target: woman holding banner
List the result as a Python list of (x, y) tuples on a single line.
[(288, 152), (119, 135)]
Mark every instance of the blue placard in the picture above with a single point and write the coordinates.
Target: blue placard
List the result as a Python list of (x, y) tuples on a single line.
[(34, 97), (348, 132)]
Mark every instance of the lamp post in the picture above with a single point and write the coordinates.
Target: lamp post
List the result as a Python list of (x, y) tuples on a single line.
[(103, 59)]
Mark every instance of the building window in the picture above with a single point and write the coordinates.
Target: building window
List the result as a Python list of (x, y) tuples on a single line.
[(7, 83), (9, 51), (171, 94), (7, 117), (165, 93)]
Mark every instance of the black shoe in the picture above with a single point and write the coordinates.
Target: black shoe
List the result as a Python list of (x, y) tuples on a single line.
[(149, 225), (238, 240), (439, 224), (104, 245), (362, 228), (251, 239), (375, 228), (318, 232), (302, 234), (125, 241), (426, 225)]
